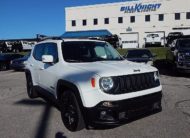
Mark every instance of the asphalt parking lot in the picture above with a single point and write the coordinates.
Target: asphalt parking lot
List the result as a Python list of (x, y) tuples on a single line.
[(21, 117)]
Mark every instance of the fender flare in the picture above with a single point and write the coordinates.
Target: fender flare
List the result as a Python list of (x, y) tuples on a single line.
[(63, 85)]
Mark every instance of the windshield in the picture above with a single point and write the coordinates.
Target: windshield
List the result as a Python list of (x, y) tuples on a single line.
[(184, 43), (139, 54), (174, 34), (87, 51)]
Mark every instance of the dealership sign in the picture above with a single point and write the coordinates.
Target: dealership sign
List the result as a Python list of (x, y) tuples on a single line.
[(140, 8)]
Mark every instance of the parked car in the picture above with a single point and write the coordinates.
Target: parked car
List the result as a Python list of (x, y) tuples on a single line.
[(173, 36), (181, 54), (19, 64), (5, 60), (153, 39), (91, 83), (140, 55)]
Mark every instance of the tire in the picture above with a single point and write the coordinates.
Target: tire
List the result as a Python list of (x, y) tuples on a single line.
[(70, 112), (30, 88), (3, 66)]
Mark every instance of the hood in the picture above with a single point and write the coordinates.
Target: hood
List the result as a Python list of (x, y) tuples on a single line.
[(20, 59), (114, 68), (184, 50)]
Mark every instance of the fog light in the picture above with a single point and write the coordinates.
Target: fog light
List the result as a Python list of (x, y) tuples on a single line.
[(103, 112), (122, 115), (156, 105), (180, 63), (105, 116), (107, 104)]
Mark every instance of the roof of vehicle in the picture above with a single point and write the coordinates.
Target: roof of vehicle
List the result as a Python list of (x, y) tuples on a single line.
[(86, 34), (184, 38), (71, 40)]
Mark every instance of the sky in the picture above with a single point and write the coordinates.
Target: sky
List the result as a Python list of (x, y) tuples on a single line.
[(26, 18)]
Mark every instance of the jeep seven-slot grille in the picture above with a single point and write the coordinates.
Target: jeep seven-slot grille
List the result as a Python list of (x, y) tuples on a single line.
[(134, 83)]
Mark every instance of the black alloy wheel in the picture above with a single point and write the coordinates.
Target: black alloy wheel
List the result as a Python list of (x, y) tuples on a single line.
[(70, 112)]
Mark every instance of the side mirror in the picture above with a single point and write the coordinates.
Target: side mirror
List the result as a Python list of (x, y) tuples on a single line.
[(172, 48), (47, 59)]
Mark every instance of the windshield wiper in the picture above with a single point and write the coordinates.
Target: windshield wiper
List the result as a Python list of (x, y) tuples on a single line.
[(73, 60)]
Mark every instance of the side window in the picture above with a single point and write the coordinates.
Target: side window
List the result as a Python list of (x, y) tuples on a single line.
[(38, 52), (51, 49)]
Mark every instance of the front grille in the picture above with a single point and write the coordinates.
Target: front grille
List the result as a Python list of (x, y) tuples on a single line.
[(134, 83), (187, 58)]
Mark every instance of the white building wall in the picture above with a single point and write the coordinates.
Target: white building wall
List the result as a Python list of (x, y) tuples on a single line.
[(112, 11)]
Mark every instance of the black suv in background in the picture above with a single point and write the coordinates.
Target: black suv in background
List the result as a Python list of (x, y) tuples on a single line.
[(173, 36), (5, 60), (181, 53)]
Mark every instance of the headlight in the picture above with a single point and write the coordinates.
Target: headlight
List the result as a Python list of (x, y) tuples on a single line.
[(106, 83), (156, 76), (180, 56), (24, 62)]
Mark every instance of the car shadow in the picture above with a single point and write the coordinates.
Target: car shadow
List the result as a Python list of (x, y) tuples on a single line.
[(41, 130), (60, 135)]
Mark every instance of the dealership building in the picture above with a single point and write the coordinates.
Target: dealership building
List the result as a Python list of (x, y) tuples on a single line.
[(132, 20)]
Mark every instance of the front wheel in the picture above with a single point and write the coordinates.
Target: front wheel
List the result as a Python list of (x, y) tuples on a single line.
[(3, 66), (30, 88), (70, 112)]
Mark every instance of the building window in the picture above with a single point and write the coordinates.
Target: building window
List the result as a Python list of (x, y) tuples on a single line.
[(177, 16), (132, 19), (147, 18), (188, 15), (73, 23), (161, 17), (120, 19), (84, 22), (95, 21), (106, 20)]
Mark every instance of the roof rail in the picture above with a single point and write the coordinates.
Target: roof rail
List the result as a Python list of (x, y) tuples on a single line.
[(49, 37)]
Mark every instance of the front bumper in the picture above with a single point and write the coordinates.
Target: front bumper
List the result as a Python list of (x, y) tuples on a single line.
[(121, 112), (183, 65)]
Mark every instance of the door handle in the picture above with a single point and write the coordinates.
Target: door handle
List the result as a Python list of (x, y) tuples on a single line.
[(31, 65), (42, 68)]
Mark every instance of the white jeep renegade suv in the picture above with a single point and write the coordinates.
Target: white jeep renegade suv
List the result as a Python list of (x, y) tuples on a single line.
[(91, 82)]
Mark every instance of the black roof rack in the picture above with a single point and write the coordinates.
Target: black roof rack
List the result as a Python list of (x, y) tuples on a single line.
[(50, 37)]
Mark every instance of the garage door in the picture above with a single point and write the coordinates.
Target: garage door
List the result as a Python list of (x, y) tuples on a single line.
[(130, 40)]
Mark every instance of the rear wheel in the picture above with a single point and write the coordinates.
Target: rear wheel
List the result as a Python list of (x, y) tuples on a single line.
[(30, 88), (70, 112)]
